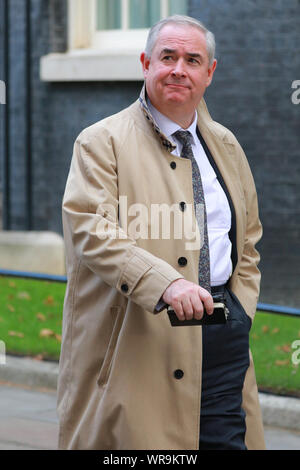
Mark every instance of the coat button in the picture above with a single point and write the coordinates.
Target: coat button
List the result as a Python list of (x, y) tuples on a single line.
[(173, 165), (182, 261), (178, 374), (124, 287), (182, 206)]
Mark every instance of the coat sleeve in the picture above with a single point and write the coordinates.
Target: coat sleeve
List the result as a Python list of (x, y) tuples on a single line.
[(248, 276), (91, 224)]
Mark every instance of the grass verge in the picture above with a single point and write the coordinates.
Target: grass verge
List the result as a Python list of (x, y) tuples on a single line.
[(31, 317), (271, 341), (31, 321)]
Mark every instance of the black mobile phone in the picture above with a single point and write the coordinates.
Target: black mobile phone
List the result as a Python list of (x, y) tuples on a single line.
[(219, 316)]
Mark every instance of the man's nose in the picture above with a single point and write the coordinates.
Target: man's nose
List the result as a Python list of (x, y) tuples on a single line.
[(179, 69)]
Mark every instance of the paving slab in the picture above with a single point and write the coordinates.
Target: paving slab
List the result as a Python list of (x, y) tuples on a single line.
[(277, 411), (28, 371), (28, 418), (281, 439), (28, 421)]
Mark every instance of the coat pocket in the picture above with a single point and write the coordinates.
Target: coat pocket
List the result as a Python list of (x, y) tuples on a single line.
[(117, 318), (238, 312)]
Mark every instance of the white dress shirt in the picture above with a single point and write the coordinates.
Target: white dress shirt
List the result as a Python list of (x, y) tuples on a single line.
[(217, 206)]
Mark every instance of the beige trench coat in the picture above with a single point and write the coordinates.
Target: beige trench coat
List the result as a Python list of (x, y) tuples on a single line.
[(116, 387)]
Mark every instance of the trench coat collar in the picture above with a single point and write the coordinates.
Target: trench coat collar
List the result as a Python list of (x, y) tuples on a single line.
[(164, 139), (202, 111)]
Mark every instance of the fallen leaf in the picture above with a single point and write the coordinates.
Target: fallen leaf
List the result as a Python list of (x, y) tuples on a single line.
[(282, 363), (1, 320), (46, 333), (285, 347), (23, 295), (11, 307), (38, 357), (49, 300), (16, 333), (40, 316), (12, 284), (254, 336), (58, 337), (275, 330), (265, 328)]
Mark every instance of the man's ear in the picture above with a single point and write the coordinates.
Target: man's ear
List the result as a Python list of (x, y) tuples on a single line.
[(145, 61), (211, 71)]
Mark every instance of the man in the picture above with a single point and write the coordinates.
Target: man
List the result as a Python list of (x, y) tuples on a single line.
[(128, 379)]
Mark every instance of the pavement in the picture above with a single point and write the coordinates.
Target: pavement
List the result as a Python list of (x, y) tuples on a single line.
[(28, 418)]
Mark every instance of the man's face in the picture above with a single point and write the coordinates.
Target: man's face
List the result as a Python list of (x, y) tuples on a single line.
[(178, 72)]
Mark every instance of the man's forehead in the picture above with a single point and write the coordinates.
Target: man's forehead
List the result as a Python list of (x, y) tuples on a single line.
[(171, 33), (170, 30)]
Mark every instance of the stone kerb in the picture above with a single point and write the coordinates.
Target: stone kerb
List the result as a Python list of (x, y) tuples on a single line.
[(41, 252)]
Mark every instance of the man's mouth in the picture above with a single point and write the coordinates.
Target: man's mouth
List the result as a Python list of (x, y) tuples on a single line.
[(177, 85)]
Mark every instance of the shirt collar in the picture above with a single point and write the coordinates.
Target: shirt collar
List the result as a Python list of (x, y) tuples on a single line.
[(167, 126)]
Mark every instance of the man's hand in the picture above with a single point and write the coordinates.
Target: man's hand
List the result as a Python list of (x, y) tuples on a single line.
[(188, 300)]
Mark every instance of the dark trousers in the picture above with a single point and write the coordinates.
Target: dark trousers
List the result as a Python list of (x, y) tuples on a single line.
[(225, 363)]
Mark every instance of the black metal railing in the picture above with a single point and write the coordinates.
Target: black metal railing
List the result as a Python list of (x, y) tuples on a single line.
[(262, 307)]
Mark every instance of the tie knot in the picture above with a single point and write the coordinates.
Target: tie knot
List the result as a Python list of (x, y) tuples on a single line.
[(184, 137)]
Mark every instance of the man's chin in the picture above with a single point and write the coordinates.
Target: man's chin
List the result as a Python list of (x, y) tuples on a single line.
[(177, 90), (176, 98)]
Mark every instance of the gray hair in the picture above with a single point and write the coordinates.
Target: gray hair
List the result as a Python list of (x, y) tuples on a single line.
[(184, 21)]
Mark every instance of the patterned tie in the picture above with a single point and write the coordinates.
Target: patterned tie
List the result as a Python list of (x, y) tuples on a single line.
[(185, 138)]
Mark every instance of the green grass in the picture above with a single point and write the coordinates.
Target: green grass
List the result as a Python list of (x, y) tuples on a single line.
[(31, 317), (31, 321), (271, 339)]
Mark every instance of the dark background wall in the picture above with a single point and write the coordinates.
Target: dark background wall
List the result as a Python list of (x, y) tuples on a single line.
[(258, 53), (258, 59)]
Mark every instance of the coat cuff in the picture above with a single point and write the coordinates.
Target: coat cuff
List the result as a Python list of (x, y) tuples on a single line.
[(145, 279)]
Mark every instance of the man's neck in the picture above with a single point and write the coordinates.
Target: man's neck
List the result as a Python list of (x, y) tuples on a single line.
[(176, 115), (166, 124), (183, 122)]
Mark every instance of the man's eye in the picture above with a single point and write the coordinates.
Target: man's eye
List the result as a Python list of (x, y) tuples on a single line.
[(193, 61), (167, 57)]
